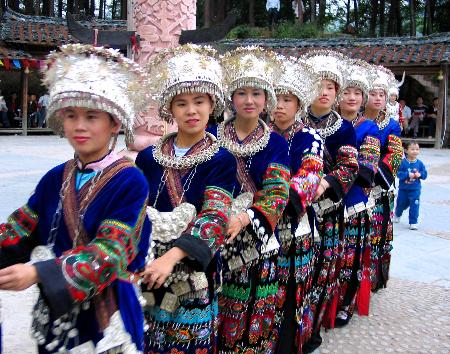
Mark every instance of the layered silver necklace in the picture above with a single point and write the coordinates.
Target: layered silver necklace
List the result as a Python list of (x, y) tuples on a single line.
[(242, 150), (384, 123), (185, 162), (330, 127)]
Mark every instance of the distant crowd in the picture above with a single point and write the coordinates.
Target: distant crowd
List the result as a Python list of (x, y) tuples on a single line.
[(11, 111), (420, 120)]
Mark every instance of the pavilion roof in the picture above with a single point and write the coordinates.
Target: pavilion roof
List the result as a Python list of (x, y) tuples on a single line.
[(45, 31), (389, 51)]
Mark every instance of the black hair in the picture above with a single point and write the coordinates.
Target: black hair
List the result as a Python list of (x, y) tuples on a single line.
[(411, 142)]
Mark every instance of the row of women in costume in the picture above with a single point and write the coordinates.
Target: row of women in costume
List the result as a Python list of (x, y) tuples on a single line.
[(243, 237)]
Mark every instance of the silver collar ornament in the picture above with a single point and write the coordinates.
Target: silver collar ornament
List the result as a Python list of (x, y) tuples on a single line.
[(242, 150)]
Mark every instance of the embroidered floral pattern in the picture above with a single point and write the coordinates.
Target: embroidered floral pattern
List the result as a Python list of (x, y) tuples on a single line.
[(91, 268), (21, 223), (346, 168), (272, 198), (394, 155), (369, 153), (211, 223)]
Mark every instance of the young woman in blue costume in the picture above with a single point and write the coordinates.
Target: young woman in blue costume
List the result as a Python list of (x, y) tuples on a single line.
[(82, 225), (247, 301), (354, 269), (391, 153), (191, 181), (295, 264), (340, 171)]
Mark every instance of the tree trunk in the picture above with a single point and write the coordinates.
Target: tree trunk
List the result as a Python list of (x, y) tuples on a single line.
[(100, 9), (123, 9), (92, 8), (429, 26), (114, 8), (412, 17), (382, 17), (355, 8), (29, 8), (60, 8), (251, 12), (312, 5), (207, 13), (220, 13), (37, 7), (322, 7), (347, 21), (46, 7), (373, 17), (300, 18), (398, 16)]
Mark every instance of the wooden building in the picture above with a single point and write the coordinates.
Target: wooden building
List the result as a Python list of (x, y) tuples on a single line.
[(425, 60), (24, 42)]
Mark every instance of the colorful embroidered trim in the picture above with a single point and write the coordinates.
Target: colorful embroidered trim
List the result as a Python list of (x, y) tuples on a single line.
[(346, 168), (211, 223), (369, 153), (21, 223), (273, 197), (90, 269)]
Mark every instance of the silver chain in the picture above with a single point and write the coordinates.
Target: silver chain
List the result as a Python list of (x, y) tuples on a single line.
[(58, 213)]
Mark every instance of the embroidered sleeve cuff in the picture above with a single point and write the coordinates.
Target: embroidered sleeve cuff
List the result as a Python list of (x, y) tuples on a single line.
[(335, 192), (365, 177), (199, 253), (53, 287), (384, 177), (18, 253), (294, 208)]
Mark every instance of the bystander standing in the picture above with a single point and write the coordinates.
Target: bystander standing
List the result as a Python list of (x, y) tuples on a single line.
[(406, 114), (419, 112)]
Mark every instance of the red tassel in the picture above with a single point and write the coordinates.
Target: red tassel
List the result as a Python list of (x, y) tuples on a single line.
[(363, 298)]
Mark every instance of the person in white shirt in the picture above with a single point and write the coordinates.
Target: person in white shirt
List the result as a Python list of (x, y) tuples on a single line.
[(406, 114), (273, 8), (42, 106)]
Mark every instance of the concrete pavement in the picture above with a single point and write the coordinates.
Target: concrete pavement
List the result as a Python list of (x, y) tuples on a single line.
[(412, 315)]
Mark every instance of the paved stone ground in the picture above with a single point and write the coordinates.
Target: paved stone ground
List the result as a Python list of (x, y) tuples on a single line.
[(412, 315)]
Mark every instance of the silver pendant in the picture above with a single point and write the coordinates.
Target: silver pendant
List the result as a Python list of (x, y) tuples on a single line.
[(180, 288), (169, 302), (199, 281), (42, 253)]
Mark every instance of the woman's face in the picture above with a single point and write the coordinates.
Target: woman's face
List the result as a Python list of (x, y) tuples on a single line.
[(327, 95), (249, 102), (89, 131), (352, 99), (286, 108), (191, 112), (377, 100)]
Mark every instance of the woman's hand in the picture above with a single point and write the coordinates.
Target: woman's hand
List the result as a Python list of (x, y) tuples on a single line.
[(236, 224), (323, 186), (156, 272), (18, 277)]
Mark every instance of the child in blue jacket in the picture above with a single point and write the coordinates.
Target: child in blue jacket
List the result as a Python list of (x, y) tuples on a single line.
[(411, 171)]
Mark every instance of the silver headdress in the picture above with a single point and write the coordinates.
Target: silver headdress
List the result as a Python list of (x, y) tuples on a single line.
[(251, 67), (298, 79), (394, 85), (381, 78), (188, 68), (358, 74), (97, 78), (327, 64)]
